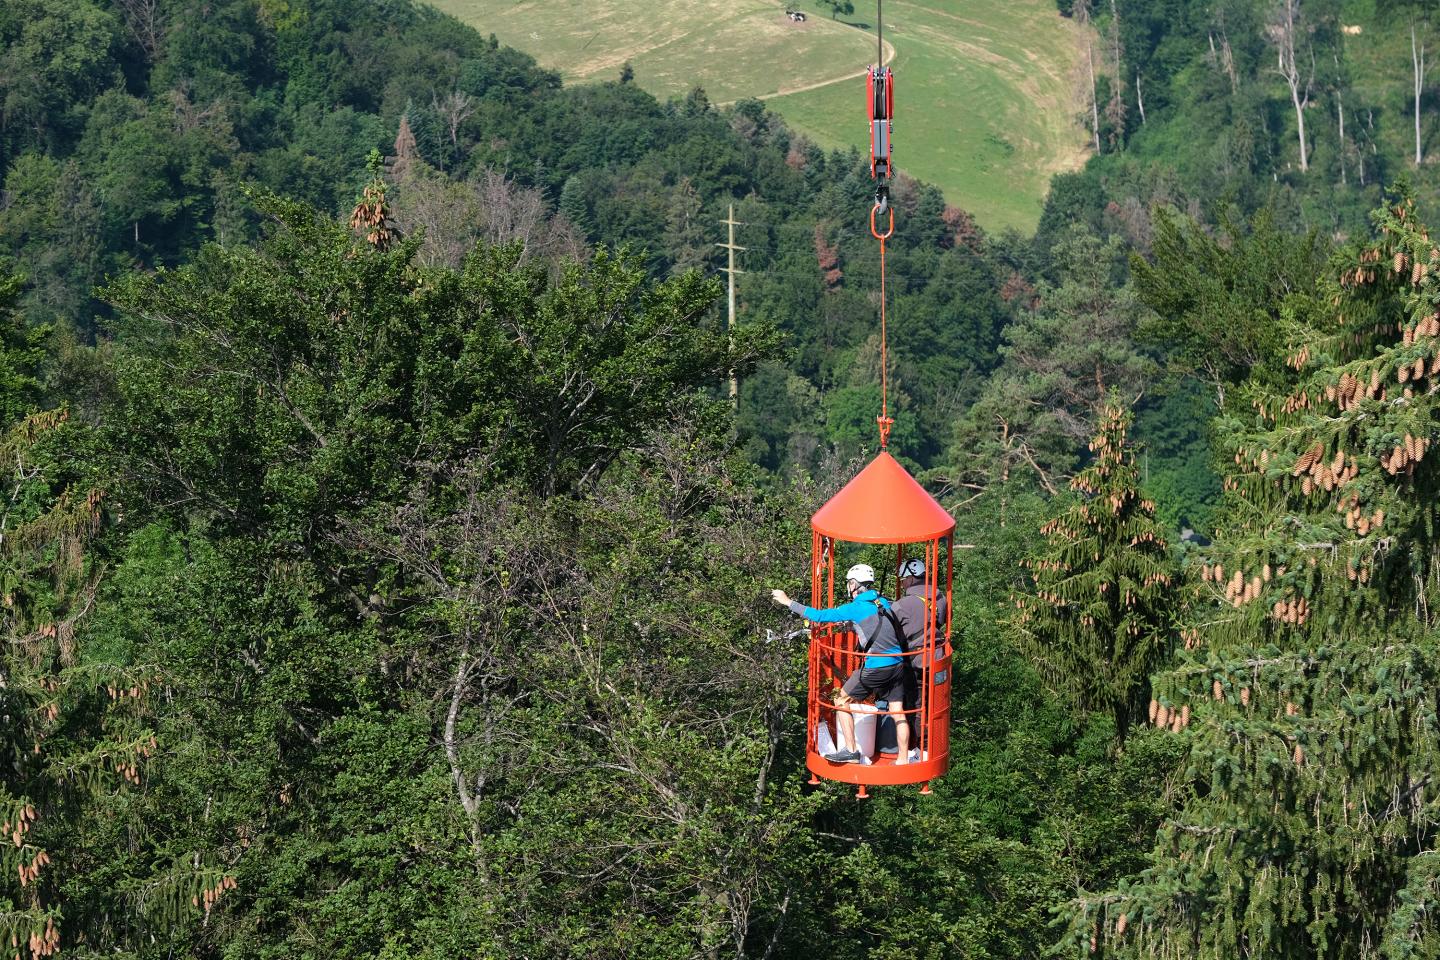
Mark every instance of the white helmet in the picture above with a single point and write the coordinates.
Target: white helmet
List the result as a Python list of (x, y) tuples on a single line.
[(914, 567), (861, 573)]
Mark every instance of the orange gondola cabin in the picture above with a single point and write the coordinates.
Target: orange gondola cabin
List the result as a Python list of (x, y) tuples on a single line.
[(883, 505)]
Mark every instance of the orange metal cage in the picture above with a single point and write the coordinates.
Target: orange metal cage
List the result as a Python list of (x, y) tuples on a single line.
[(834, 655)]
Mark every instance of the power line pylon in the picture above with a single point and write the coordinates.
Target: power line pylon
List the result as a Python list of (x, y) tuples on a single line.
[(731, 270)]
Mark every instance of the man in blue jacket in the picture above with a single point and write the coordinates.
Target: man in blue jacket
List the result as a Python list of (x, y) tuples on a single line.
[(881, 676)]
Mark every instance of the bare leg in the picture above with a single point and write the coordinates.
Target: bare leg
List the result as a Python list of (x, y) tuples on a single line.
[(902, 731), (845, 721)]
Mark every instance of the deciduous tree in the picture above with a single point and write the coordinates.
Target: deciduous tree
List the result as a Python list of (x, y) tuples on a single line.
[(1417, 14), (1289, 32)]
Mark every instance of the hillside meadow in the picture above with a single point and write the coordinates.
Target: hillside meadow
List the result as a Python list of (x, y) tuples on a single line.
[(986, 105)]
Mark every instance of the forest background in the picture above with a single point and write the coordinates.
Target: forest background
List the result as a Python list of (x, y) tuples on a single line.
[(384, 568)]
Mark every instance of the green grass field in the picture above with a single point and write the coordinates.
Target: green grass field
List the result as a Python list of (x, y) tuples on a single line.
[(985, 104), (732, 48)]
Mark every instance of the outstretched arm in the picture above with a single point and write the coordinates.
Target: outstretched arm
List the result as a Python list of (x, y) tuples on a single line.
[(854, 611)]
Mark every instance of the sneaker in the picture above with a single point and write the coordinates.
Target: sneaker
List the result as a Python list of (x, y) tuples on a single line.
[(843, 756)]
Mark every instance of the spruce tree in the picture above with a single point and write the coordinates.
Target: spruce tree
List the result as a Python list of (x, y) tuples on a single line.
[(685, 236), (1101, 613), (371, 219), (1309, 824), (74, 727), (574, 206), (1059, 363)]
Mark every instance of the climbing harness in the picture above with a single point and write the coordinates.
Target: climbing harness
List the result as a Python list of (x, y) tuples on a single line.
[(888, 615), (880, 101)]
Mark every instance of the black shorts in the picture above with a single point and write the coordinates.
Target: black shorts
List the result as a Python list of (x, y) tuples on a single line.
[(882, 683)]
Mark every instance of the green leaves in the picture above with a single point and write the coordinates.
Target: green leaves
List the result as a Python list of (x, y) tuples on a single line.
[(449, 548), (593, 356), (1060, 359), (1217, 300)]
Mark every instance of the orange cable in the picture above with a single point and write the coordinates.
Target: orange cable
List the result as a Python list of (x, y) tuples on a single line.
[(884, 382)]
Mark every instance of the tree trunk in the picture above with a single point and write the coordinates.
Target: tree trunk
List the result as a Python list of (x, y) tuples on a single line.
[(1115, 38), (1360, 152), (1340, 112), (1282, 32), (1417, 60), (1082, 17), (1227, 59), (1115, 110), (1094, 106), (1139, 99), (468, 802), (1300, 128)]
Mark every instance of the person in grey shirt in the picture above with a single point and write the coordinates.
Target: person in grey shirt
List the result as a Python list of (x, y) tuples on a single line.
[(912, 609)]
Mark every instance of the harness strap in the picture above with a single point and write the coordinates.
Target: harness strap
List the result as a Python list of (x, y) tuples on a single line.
[(900, 637)]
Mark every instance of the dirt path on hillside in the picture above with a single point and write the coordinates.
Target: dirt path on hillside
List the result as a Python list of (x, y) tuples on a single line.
[(805, 88)]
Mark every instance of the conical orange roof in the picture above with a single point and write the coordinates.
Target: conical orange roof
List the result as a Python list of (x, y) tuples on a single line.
[(883, 504)]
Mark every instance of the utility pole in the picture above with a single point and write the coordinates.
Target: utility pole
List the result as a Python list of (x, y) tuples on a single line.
[(731, 270)]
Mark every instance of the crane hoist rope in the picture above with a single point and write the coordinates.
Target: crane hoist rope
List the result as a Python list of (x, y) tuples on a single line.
[(880, 103)]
